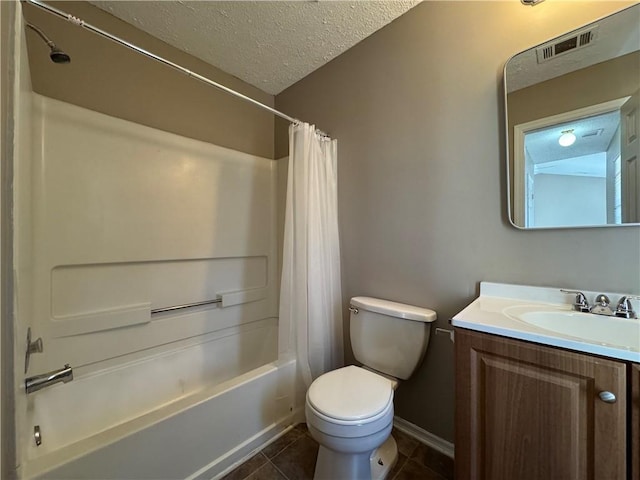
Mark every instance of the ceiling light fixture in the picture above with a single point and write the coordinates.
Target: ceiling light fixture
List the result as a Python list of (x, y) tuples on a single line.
[(531, 3), (567, 138)]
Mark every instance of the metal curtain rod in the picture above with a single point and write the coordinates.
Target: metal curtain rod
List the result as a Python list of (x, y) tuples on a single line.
[(153, 56)]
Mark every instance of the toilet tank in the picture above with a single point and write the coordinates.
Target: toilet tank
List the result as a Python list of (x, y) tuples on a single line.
[(389, 337)]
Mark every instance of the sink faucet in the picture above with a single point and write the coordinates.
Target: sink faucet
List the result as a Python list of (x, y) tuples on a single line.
[(580, 304), (624, 309)]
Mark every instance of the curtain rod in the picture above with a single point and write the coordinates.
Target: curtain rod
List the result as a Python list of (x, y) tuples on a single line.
[(153, 56)]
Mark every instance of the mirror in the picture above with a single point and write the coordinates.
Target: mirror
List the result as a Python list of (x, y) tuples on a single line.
[(573, 127)]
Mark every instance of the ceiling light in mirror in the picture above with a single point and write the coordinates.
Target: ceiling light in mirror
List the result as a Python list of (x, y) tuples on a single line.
[(567, 138)]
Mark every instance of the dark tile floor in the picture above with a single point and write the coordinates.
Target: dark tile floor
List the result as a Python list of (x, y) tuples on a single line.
[(293, 457)]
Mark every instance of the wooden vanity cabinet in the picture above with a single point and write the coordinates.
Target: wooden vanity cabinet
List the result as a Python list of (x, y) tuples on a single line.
[(530, 412)]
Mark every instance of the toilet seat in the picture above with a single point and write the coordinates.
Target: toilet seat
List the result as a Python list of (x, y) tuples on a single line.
[(350, 396), (323, 421)]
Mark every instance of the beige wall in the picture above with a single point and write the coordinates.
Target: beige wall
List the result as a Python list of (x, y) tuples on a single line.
[(418, 113), (108, 78)]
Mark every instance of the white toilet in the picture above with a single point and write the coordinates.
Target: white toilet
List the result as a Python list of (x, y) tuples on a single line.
[(349, 411)]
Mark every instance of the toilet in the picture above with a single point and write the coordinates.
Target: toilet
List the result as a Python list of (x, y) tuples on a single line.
[(349, 411)]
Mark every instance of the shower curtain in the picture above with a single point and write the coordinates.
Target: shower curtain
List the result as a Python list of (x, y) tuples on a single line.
[(310, 295)]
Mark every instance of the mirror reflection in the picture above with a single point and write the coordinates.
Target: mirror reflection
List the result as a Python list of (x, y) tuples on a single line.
[(573, 128)]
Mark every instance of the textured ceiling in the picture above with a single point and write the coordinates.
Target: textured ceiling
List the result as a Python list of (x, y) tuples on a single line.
[(269, 44)]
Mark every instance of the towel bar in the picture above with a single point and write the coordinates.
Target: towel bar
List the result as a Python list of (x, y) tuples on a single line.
[(186, 305)]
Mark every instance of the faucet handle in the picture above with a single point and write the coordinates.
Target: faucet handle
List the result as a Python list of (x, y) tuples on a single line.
[(624, 308), (601, 306), (580, 304)]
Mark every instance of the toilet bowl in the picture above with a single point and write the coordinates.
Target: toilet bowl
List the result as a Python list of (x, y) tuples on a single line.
[(349, 411)]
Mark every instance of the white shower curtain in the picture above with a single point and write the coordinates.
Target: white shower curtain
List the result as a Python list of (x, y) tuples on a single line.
[(310, 295)]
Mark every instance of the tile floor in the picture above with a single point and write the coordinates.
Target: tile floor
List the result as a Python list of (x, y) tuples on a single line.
[(293, 457)]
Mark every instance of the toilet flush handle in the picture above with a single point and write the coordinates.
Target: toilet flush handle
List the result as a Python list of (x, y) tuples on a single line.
[(353, 309)]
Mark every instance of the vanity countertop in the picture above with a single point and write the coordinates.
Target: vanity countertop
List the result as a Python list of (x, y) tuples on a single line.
[(517, 311)]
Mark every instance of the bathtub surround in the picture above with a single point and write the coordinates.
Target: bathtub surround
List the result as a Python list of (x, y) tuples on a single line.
[(163, 210), (422, 198), (310, 290), (117, 223), (101, 206)]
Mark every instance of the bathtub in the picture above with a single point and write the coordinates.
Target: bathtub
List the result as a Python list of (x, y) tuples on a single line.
[(201, 436)]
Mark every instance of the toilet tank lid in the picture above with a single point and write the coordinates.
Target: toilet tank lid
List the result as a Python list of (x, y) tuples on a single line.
[(394, 309)]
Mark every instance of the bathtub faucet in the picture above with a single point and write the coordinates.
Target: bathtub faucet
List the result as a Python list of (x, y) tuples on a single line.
[(38, 382)]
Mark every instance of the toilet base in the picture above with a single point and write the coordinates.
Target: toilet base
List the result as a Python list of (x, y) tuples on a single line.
[(375, 465), (383, 459)]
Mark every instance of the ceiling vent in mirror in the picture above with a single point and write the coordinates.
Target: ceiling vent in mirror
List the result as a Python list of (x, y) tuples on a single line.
[(593, 133), (569, 43)]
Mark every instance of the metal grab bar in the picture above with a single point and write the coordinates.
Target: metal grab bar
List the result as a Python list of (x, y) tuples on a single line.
[(186, 305)]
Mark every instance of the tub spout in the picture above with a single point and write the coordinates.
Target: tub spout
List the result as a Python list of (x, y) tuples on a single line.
[(38, 382)]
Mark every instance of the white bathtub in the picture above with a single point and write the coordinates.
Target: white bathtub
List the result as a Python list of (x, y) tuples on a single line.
[(197, 437)]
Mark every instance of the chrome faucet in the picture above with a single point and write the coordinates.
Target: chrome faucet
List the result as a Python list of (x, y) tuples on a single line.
[(38, 382), (624, 309), (580, 304), (602, 306)]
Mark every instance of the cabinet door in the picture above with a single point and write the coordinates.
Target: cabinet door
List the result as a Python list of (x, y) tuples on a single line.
[(635, 421), (530, 412)]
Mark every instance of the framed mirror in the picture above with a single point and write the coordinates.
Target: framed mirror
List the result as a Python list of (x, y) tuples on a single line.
[(573, 127)]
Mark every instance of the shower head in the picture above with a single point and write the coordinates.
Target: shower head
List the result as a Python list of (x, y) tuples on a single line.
[(56, 55)]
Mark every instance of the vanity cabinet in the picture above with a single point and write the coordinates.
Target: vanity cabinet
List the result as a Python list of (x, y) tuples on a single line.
[(529, 412)]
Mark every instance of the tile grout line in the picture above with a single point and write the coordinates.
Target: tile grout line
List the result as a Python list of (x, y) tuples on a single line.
[(256, 469), (400, 469), (276, 467)]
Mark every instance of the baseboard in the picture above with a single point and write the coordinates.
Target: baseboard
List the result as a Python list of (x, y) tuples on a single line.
[(425, 437)]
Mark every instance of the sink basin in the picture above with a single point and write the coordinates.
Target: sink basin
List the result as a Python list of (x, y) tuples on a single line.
[(544, 315), (596, 328)]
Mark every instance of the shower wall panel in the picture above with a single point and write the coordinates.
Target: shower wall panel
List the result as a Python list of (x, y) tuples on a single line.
[(119, 220), (127, 219)]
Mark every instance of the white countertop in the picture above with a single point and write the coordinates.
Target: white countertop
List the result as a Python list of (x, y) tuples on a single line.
[(490, 313)]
